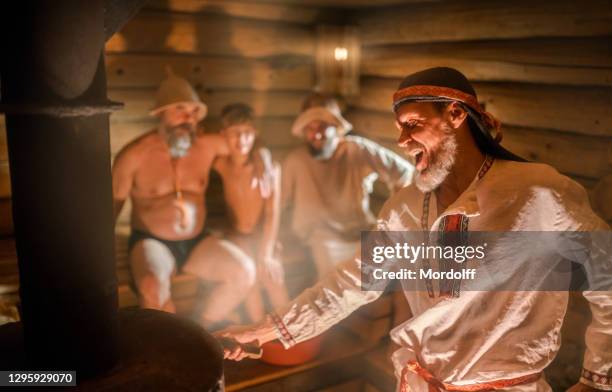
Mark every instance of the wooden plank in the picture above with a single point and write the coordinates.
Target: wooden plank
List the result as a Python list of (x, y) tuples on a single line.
[(159, 32), (143, 70), (484, 19), (138, 102), (574, 154), (279, 12), (549, 61), (580, 155), (571, 109), (564, 51)]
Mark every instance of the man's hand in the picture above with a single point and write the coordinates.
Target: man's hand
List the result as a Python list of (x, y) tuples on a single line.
[(241, 342), (580, 387)]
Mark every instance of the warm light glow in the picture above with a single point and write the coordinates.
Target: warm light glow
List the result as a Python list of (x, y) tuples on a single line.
[(340, 54)]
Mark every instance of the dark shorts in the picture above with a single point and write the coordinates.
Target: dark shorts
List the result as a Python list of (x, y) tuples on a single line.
[(179, 249)]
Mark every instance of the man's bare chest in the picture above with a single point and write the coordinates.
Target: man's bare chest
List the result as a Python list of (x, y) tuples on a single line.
[(158, 175)]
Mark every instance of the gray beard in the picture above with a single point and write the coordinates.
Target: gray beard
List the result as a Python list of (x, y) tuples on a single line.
[(179, 143), (440, 168)]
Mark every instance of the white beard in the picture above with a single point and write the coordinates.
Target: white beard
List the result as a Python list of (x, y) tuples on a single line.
[(439, 168), (179, 143)]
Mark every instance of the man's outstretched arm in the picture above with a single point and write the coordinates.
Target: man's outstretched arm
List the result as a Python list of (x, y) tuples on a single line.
[(310, 314)]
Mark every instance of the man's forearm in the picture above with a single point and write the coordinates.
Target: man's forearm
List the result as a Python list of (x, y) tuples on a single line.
[(266, 331)]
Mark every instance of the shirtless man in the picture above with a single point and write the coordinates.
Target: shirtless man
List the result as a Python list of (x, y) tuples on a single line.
[(165, 173), (253, 206)]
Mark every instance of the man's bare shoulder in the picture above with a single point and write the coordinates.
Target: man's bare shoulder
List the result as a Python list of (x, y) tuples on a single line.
[(210, 141)]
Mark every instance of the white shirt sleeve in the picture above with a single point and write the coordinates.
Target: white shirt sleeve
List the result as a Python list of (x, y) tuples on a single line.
[(597, 364), (318, 308)]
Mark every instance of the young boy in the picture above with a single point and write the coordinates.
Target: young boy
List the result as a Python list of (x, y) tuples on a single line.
[(243, 260)]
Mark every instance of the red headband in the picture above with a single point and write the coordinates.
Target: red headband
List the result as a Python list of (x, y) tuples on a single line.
[(457, 95)]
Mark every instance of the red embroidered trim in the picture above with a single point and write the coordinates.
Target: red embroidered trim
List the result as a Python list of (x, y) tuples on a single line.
[(486, 166), (282, 328), (425, 213), (596, 378), (438, 91), (439, 386), (447, 92)]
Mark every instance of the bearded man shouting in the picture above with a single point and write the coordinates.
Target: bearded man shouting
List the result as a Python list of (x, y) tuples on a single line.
[(470, 340)]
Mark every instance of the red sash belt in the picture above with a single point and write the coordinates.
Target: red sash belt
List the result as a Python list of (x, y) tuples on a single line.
[(439, 386)]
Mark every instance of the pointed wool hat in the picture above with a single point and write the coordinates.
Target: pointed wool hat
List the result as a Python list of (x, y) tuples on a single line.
[(173, 90)]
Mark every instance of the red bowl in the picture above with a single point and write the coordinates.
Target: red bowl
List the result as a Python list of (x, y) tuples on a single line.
[(275, 354)]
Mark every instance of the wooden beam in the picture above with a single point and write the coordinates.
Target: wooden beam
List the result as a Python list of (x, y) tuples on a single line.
[(566, 51), (484, 19), (279, 12), (550, 61), (157, 32), (138, 102), (573, 154), (563, 108), (580, 155), (129, 70)]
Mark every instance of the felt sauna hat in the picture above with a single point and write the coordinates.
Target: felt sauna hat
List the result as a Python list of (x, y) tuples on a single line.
[(442, 84), (173, 90), (321, 108)]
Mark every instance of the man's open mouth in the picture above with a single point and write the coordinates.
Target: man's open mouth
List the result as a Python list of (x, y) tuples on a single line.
[(420, 159)]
